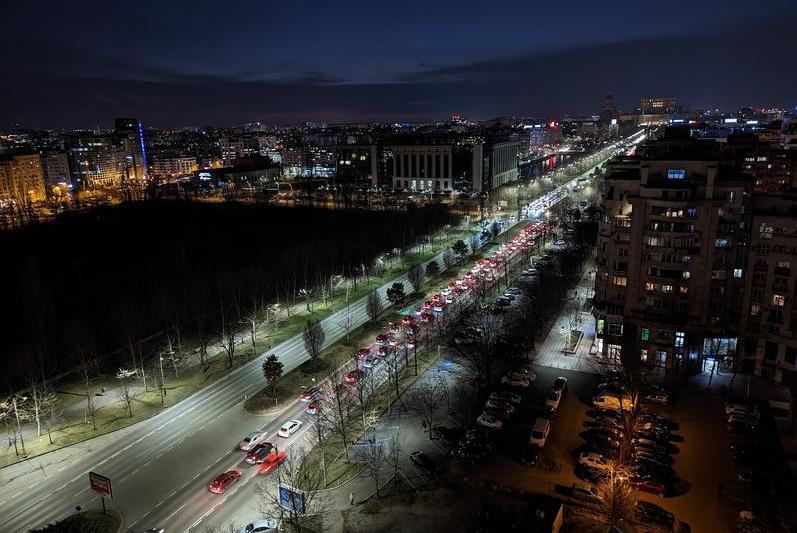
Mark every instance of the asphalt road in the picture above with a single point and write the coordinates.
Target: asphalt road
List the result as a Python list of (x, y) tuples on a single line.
[(160, 469)]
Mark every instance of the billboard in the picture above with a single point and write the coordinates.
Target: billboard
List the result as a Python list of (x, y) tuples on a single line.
[(101, 485), (291, 499)]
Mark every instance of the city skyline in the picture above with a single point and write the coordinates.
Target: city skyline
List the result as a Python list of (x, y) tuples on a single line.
[(66, 72)]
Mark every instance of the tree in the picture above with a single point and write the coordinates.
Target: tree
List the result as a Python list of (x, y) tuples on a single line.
[(336, 405), (299, 472), (394, 371), (253, 319), (448, 258), (617, 495), (306, 293), (374, 305), (375, 457), (432, 268), (227, 336), (460, 248), (313, 336), (13, 411), (495, 230), (86, 363), (415, 276), (473, 241), (124, 377), (396, 294), (345, 319), (478, 359), (424, 400), (272, 371), (42, 400)]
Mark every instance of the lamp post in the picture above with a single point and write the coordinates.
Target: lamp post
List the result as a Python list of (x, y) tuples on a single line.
[(163, 383), (19, 428)]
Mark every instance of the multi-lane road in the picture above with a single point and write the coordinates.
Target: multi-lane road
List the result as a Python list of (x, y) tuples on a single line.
[(160, 468)]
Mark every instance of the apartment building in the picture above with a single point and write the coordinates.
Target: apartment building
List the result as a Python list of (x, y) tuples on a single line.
[(672, 251)]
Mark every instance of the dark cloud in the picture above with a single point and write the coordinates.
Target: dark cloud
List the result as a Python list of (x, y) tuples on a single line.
[(745, 64)]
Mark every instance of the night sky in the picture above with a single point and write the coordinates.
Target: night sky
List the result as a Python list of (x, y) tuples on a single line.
[(78, 64)]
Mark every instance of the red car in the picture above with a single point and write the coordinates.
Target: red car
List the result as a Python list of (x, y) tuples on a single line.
[(381, 338), (383, 351), (312, 408), (274, 459), (220, 484), (310, 394), (354, 376), (259, 453), (392, 327), (426, 306), (363, 352), (427, 317), (647, 485), (407, 320)]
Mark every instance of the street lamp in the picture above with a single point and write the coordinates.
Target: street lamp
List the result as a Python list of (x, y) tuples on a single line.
[(163, 383)]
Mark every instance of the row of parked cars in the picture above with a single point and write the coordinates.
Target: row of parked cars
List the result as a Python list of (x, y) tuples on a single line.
[(500, 406)]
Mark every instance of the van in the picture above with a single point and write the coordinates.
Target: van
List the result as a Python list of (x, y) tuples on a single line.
[(610, 402), (540, 432)]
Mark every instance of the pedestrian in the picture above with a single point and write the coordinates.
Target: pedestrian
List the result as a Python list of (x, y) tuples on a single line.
[(351, 498)]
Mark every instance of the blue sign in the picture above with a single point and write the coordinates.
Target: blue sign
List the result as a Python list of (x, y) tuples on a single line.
[(291, 499)]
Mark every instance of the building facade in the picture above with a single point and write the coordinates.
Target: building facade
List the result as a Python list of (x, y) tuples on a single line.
[(22, 179), (168, 167), (55, 164)]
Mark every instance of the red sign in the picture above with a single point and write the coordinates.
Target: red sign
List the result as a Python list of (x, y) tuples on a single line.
[(101, 485)]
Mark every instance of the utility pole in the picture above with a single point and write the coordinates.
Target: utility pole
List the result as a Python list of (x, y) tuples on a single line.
[(163, 383)]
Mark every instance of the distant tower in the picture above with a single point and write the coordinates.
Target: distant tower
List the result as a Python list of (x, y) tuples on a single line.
[(609, 110), (130, 134)]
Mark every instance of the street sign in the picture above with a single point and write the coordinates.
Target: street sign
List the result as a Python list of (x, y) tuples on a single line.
[(291, 499), (101, 485)]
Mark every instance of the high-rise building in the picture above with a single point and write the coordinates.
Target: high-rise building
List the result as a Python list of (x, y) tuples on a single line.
[(55, 164), (672, 251), (173, 166), (97, 162), (130, 135), (22, 179), (659, 106)]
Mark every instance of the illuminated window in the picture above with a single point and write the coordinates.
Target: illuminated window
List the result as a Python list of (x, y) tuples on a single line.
[(666, 288), (645, 334), (650, 286), (679, 339), (778, 300), (683, 289), (621, 281), (685, 274), (755, 310), (738, 273), (676, 174)]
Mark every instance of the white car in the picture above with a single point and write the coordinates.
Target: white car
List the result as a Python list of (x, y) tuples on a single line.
[(489, 421), (252, 440), (657, 397), (499, 405), (262, 525), (289, 428), (506, 396), (593, 460), (446, 291), (553, 399), (514, 380)]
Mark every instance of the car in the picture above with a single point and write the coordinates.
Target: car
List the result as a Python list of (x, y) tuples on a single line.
[(506, 396), (739, 425), (408, 320), (262, 525), (751, 410), (428, 317), (612, 431), (509, 296), (746, 452), (223, 481), (155, 530), (606, 445), (499, 412), (560, 384), (648, 485), (489, 421), (742, 412), (515, 381), (468, 453), (424, 463), (289, 428), (530, 454), (659, 438), (513, 290), (642, 467), (585, 493), (647, 444), (258, 454), (252, 440), (363, 352), (653, 514), (612, 402), (312, 408), (756, 480), (381, 339), (354, 376), (499, 405), (652, 428), (585, 473), (310, 394), (657, 398), (608, 413), (552, 400), (653, 457), (593, 460), (503, 302)]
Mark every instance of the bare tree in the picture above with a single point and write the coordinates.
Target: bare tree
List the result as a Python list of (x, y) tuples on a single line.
[(345, 319), (41, 398), (478, 359), (313, 336), (175, 354), (306, 293), (448, 258), (473, 241), (253, 318), (395, 372), (336, 405), (86, 363), (617, 495), (415, 277), (374, 305), (424, 400), (362, 395), (128, 394), (227, 336), (306, 506), (375, 458), (13, 411)]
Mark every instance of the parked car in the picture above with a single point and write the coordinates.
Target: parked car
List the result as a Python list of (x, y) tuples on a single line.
[(648, 485), (262, 525), (560, 384), (653, 514), (660, 398), (252, 440), (506, 396), (489, 421), (289, 428), (354, 376), (741, 425), (498, 405), (746, 452), (530, 454), (593, 460), (607, 401), (223, 481), (756, 480), (514, 380), (585, 493), (424, 463), (663, 459), (552, 400), (748, 409), (308, 395)]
